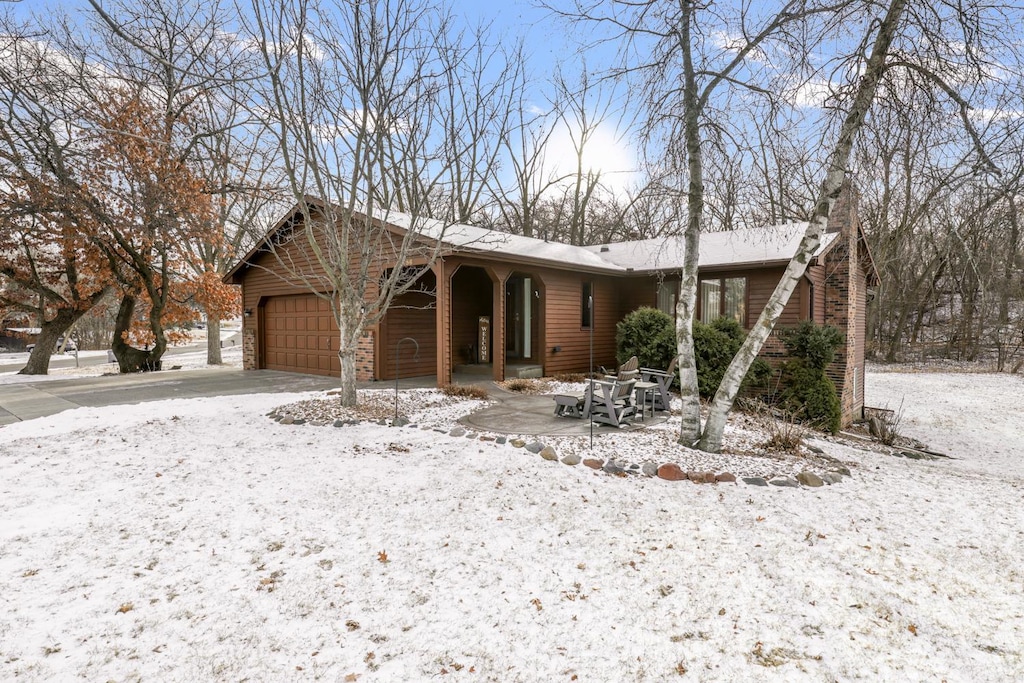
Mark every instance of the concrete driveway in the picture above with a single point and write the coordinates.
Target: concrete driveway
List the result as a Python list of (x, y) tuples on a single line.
[(28, 400)]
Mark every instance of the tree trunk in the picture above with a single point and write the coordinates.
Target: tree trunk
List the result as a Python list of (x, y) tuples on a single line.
[(129, 358), (349, 331), (39, 360), (711, 440), (213, 356), (686, 305)]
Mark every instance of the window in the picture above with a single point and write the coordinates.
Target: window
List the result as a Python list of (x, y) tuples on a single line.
[(724, 297), (586, 304), (667, 297)]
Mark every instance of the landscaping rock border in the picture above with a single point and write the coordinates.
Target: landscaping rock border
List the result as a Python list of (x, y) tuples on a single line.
[(668, 471)]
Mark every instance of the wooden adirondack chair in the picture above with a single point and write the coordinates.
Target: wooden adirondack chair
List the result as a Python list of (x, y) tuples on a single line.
[(627, 371), (663, 378), (610, 403)]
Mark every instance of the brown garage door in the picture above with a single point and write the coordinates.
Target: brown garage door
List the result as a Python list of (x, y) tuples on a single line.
[(299, 334)]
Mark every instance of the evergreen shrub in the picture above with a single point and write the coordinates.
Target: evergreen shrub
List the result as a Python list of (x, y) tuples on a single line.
[(648, 334), (807, 391)]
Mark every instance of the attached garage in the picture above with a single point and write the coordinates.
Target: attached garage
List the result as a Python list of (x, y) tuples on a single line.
[(299, 335)]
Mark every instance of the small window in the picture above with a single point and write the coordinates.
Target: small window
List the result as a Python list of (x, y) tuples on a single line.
[(667, 292), (586, 304), (724, 297)]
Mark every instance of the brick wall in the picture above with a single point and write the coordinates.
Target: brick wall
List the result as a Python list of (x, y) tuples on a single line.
[(844, 283), (249, 348), (365, 357)]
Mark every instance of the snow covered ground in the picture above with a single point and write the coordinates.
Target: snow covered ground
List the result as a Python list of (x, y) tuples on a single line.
[(200, 540)]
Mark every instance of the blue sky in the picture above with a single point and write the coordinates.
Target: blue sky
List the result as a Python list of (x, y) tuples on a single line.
[(550, 42)]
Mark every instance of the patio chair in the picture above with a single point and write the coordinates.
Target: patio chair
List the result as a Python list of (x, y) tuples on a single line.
[(610, 403), (663, 378), (627, 371)]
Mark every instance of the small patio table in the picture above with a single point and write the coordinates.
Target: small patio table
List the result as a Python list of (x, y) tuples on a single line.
[(643, 390)]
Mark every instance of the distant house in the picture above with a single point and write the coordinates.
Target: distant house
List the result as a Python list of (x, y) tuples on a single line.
[(517, 305)]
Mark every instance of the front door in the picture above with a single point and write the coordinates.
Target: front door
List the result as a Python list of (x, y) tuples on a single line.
[(520, 314)]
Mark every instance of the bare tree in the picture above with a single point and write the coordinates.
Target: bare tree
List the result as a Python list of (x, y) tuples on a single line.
[(359, 99)]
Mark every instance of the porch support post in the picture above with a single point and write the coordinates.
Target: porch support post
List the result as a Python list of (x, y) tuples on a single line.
[(442, 320), (499, 278)]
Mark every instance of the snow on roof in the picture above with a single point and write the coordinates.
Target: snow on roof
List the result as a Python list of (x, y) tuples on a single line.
[(472, 238), (734, 247)]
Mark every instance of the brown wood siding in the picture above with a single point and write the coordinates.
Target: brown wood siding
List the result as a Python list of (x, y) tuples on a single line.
[(562, 317), (298, 331), (635, 292), (411, 315), (816, 274)]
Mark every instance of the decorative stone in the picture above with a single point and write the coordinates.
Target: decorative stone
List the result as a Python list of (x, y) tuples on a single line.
[(535, 446), (501, 440), (612, 467), (471, 435), (650, 469), (484, 437), (593, 463), (814, 449), (786, 482), (458, 431), (287, 420), (517, 443), (548, 453), (340, 423), (845, 471), (399, 422), (755, 481), (694, 476), (810, 479), (725, 477), (671, 472), (831, 478), (572, 460), (709, 478)]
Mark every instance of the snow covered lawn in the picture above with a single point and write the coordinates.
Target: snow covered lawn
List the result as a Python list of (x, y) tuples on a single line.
[(195, 540)]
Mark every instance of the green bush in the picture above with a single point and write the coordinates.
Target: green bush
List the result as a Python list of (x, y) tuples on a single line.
[(648, 334), (810, 395), (714, 346), (815, 344), (807, 391)]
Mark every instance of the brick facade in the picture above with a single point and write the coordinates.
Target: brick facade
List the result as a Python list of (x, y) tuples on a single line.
[(365, 352), (845, 298), (249, 348)]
